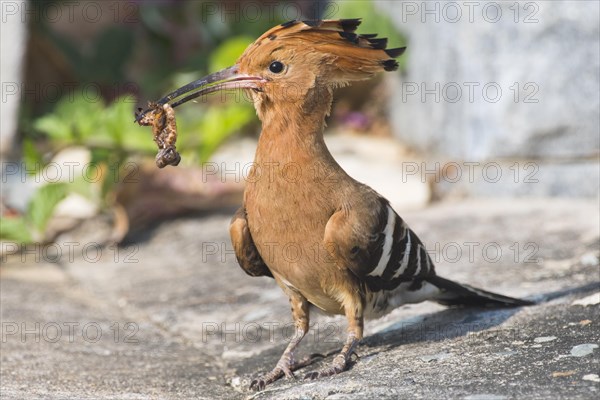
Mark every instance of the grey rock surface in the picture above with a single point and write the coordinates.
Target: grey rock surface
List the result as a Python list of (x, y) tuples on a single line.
[(499, 79), (179, 319)]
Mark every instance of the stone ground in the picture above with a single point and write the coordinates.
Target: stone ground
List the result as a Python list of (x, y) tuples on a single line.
[(171, 315)]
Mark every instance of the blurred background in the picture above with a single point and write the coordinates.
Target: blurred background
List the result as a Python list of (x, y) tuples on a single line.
[(486, 141), (492, 99)]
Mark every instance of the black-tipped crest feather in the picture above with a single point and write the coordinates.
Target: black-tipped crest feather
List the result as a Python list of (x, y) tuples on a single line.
[(289, 23), (390, 65), (350, 25), (380, 43), (358, 56), (352, 37), (397, 52)]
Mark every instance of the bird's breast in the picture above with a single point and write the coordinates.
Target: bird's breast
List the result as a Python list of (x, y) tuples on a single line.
[(287, 219)]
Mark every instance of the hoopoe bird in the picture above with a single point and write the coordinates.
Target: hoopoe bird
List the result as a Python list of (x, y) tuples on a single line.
[(352, 254)]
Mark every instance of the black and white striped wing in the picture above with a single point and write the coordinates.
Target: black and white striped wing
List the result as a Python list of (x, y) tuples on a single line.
[(393, 254)]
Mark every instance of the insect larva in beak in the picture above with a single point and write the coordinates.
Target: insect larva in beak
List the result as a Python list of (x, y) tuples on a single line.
[(164, 129)]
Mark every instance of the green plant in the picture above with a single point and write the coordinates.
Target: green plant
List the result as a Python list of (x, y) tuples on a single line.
[(111, 136), (31, 226), (170, 46)]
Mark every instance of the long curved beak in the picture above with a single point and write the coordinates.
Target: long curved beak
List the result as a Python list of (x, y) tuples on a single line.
[(226, 79)]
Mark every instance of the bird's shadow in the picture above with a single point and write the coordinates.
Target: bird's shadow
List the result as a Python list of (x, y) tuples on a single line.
[(458, 322), (446, 324), (433, 327)]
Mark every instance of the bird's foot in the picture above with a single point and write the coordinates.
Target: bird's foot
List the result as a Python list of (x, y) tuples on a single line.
[(276, 373), (340, 364), (285, 366)]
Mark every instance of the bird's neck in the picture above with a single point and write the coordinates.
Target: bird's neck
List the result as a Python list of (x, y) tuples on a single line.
[(293, 131)]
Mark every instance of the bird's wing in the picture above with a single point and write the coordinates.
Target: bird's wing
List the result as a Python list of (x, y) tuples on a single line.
[(372, 241), (245, 249)]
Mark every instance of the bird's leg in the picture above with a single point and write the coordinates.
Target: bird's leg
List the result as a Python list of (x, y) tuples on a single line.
[(355, 333), (286, 363)]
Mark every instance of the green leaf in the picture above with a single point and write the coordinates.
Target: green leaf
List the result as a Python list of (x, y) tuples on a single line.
[(228, 52), (32, 158), (117, 116), (43, 203), (56, 127), (75, 120), (127, 135), (15, 230), (83, 187), (85, 121), (220, 123)]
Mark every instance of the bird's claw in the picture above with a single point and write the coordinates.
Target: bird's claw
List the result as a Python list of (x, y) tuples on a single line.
[(285, 367), (322, 373), (340, 364), (280, 370), (259, 384), (289, 374)]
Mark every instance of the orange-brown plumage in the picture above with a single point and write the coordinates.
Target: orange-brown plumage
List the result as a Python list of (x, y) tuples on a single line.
[(325, 238)]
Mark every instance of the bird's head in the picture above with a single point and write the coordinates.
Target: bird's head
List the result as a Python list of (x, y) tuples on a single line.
[(297, 64)]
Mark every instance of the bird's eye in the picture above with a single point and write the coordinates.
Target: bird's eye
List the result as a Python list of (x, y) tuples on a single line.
[(276, 67)]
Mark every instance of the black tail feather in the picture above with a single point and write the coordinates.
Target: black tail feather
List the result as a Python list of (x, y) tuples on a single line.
[(456, 294)]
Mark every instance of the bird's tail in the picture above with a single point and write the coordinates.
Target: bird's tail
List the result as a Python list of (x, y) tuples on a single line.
[(456, 294)]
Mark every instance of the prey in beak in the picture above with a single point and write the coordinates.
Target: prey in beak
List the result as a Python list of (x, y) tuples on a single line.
[(226, 79), (161, 116)]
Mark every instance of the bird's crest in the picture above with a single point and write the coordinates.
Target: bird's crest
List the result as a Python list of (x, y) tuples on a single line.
[(357, 56)]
